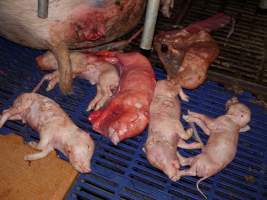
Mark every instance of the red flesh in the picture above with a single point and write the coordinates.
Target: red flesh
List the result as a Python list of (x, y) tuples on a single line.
[(186, 54), (97, 24), (136, 87), (211, 24)]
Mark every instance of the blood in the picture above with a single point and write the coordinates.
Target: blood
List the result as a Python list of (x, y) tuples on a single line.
[(91, 27)]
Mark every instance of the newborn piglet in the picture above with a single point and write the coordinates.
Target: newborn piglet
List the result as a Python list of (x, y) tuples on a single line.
[(88, 67), (221, 147), (56, 130), (165, 131)]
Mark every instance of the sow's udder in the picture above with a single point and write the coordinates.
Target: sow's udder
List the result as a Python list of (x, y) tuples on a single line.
[(91, 25)]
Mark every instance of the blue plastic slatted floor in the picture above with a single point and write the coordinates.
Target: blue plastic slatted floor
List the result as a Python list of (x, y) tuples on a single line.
[(122, 172)]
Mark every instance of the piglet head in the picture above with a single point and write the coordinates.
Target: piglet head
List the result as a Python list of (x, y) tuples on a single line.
[(80, 154), (163, 156), (47, 61), (239, 113)]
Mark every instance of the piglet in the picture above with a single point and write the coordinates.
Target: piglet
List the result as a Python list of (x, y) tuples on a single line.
[(221, 147), (56, 130), (87, 66), (166, 132)]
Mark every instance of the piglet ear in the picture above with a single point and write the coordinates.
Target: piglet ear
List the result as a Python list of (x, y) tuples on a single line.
[(245, 129)]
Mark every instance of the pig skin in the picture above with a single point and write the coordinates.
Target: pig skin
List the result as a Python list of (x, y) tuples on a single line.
[(186, 54), (87, 66), (56, 130), (166, 7), (166, 132), (70, 24), (127, 113), (78, 22), (221, 147)]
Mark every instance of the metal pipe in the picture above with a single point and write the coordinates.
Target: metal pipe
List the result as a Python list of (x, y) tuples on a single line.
[(43, 8), (263, 4), (150, 22)]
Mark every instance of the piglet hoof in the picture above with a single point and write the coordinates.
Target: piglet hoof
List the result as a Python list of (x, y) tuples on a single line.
[(144, 150), (189, 133), (85, 170), (98, 106), (199, 145), (27, 158), (101, 103), (93, 105), (184, 97), (32, 144), (113, 136), (49, 87), (175, 178), (90, 107), (186, 117)]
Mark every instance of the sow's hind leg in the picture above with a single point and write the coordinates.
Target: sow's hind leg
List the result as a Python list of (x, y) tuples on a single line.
[(64, 67)]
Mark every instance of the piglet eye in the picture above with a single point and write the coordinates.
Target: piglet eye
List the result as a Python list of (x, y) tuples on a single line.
[(164, 48)]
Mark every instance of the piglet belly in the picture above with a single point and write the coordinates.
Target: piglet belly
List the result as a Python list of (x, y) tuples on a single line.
[(127, 113)]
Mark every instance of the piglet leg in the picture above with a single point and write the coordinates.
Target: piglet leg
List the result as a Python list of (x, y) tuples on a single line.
[(182, 95), (11, 113), (97, 98), (184, 161), (182, 133), (102, 96), (43, 145), (188, 172), (193, 145), (192, 171), (199, 122), (202, 117), (244, 129), (106, 94), (33, 145), (53, 79), (38, 155)]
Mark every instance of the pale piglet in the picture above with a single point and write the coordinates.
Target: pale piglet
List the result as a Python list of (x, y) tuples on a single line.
[(56, 130), (221, 147), (166, 132), (86, 66)]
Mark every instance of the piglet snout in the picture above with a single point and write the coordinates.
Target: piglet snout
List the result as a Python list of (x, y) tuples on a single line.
[(171, 170), (81, 152), (82, 167), (163, 158)]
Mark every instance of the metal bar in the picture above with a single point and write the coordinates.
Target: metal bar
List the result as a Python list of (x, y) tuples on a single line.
[(43, 8), (183, 12), (150, 22), (195, 133), (253, 87)]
